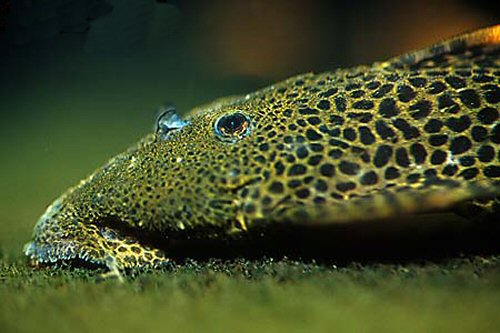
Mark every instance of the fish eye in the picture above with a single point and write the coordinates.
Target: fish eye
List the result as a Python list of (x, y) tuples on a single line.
[(232, 127), (168, 121)]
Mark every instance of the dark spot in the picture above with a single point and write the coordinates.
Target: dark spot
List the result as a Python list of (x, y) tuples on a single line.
[(319, 200), (321, 185), (418, 152), (314, 160), (280, 168), (469, 173), (402, 158), (324, 105), (336, 120), (366, 136), (446, 103), (406, 93), (308, 179), (357, 93), (387, 108), (373, 85), (492, 171), (413, 178), (302, 152), (450, 170), (382, 156), (347, 186), (349, 134), (479, 133), (302, 193), (335, 153), (348, 168), (393, 77), (436, 87), (433, 126), (384, 131), (327, 170), (486, 153), (382, 91), (260, 159), (369, 178), (313, 135), (352, 86), (335, 132), (391, 173), (470, 98), (467, 161), (455, 82), (266, 201), (458, 124), (487, 115), (340, 104), (324, 129), (438, 140), (287, 113), (329, 92), (482, 78), (313, 120), (301, 123), (363, 104), (421, 109), (438, 157), (249, 208), (308, 111), (363, 117), (409, 132), (418, 82), (316, 147), (460, 145), (294, 183), (264, 146), (336, 196), (491, 93), (297, 169), (430, 173)]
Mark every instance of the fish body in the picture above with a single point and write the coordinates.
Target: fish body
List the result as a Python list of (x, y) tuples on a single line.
[(417, 133)]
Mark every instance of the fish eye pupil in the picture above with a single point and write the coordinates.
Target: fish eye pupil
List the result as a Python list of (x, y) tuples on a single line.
[(232, 126), (233, 122)]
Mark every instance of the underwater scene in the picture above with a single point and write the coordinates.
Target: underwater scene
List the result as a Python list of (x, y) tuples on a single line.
[(217, 165)]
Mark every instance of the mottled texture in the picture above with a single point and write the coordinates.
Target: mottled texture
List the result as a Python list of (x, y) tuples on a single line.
[(418, 133)]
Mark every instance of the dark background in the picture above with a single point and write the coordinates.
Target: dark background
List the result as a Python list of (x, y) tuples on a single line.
[(80, 80)]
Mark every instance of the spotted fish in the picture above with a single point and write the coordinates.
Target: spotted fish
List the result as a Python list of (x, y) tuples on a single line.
[(417, 133)]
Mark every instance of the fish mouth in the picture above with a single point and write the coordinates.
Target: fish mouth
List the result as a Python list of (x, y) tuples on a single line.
[(428, 236), (340, 244)]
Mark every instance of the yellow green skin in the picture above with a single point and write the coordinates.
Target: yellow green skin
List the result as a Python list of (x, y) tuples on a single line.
[(418, 133)]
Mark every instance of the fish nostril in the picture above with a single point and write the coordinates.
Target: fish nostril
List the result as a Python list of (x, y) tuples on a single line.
[(168, 121)]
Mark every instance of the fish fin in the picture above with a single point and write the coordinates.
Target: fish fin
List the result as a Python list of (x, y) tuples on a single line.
[(396, 202), (469, 45)]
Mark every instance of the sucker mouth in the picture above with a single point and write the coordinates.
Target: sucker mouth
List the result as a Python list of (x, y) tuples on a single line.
[(426, 238)]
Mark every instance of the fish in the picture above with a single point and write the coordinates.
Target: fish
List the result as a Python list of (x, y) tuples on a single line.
[(414, 134)]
